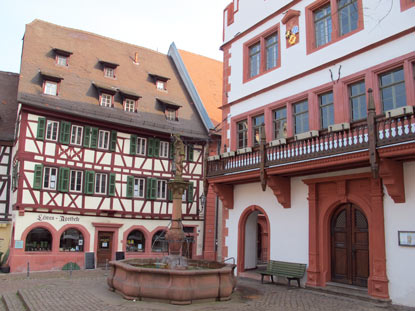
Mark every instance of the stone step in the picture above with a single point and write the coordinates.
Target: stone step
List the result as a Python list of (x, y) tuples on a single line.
[(351, 291), (13, 302)]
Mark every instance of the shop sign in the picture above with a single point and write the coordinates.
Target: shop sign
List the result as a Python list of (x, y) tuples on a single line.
[(58, 218)]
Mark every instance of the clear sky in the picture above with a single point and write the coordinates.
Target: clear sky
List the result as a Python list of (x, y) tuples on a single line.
[(194, 25)]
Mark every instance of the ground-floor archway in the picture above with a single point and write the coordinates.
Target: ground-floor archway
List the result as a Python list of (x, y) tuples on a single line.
[(253, 232)]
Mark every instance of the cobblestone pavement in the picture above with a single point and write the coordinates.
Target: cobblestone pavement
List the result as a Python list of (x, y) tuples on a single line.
[(88, 291)]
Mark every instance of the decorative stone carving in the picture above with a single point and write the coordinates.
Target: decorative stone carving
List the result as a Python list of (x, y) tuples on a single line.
[(281, 186)]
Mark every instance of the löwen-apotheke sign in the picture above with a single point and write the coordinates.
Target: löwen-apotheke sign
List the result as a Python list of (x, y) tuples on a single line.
[(58, 218)]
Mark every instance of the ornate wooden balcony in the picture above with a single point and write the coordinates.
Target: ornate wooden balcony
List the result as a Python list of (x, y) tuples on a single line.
[(387, 131)]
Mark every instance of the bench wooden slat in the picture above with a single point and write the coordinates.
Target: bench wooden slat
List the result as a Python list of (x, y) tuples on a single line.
[(290, 270)]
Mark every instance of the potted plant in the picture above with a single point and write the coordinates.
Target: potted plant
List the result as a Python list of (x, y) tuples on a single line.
[(5, 268)]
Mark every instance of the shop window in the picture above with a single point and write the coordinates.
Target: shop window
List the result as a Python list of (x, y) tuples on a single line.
[(242, 133), (49, 178), (136, 242), (75, 184), (392, 89), (158, 242), (101, 183), (76, 135), (280, 123), (38, 239), (71, 240), (52, 130), (300, 111), (257, 123), (106, 100), (357, 99), (326, 109), (103, 139)]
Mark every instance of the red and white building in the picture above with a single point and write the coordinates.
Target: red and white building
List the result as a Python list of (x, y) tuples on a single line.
[(93, 150), (329, 86)]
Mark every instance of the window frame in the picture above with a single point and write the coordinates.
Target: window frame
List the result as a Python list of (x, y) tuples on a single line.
[(50, 82), (103, 183), (62, 57), (161, 85), (103, 95), (351, 97), (256, 129), (76, 181), (99, 146), (139, 143), (295, 114), (244, 133), (261, 40), (322, 106), (77, 135), (130, 101), (164, 149), (393, 85), (275, 121), (139, 179), (81, 239), (109, 72), (161, 189), (128, 245), (335, 23), (56, 132), (49, 244), (171, 114), (47, 170)]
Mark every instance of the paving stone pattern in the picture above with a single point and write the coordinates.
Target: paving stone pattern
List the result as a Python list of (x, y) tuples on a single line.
[(88, 291)]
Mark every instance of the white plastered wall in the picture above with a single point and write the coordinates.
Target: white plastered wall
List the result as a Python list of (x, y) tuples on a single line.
[(400, 260)]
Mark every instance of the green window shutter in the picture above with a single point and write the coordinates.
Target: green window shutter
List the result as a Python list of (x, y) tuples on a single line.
[(63, 184), (113, 143), (170, 195), (130, 186), (148, 188), (94, 137), (41, 124), (111, 189), (87, 136), (156, 147), (190, 193), (171, 151), (38, 174), (14, 176), (150, 150), (133, 144), (65, 132), (89, 182), (190, 153), (153, 188)]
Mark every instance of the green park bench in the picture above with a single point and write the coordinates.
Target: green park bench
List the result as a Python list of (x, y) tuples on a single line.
[(290, 270)]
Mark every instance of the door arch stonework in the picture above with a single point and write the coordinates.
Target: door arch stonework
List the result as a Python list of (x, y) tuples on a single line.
[(325, 195), (241, 234)]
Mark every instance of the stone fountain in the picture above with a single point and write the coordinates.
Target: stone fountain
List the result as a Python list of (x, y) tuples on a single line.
[(174, 277)]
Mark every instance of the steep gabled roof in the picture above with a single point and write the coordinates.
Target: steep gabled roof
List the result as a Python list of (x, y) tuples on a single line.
[(8, 104), (85, 71)]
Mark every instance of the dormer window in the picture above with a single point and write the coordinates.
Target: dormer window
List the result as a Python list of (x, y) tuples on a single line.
[(171, 110), (51, 83), (160, 81), (62, 57), (130, 100), (106, 94), (109, 69)]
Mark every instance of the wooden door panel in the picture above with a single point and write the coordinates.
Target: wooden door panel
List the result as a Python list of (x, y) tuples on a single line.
[(341, 262), (104, 249)]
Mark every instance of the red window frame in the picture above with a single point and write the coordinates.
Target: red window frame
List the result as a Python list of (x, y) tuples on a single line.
[(310, 32), (100, 98), (261, 38), (407, 4), (125, 104)]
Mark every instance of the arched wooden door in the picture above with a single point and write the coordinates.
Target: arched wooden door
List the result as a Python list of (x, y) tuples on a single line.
[(349, 246)]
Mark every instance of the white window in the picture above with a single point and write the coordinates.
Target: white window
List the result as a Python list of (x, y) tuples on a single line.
[(62, 60), (161, 189), (164, 149), (170, 114), (49, 179), (141, 146), (51, 88), (76, 135), (106, 100), (160, 85), (100, 183), (103, 139), (139, 187), (129, 105), (52, 130), (75, 183), (109, 72)]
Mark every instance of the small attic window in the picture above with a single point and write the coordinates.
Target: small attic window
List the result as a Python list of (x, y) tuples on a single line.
[(160, 81), (109, 69), (51, 83), (106, 94), (62, 57), (130, 100), (171, 109)]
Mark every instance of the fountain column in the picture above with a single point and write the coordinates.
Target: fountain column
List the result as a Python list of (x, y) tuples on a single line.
[(175, 234)]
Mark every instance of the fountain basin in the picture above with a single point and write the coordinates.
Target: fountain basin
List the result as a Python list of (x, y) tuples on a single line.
[(133, 279)]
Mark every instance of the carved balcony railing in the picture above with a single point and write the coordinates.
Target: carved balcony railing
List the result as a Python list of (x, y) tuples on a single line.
[(388, 131)]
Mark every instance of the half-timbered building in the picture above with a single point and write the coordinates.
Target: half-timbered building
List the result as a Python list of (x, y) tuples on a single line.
[(8, 112), (93, 153), (317, 162)]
